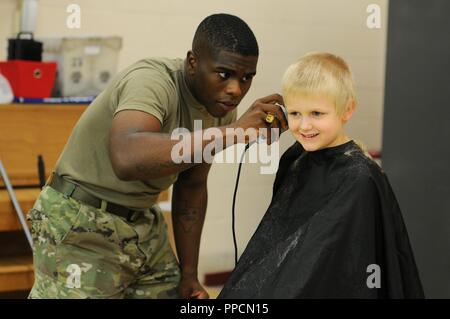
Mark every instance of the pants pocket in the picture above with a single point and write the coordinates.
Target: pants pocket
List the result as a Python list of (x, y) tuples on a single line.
[(56, 213), (90, 258)]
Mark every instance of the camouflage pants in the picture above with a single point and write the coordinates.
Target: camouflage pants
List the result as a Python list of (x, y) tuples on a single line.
[(83, 252)]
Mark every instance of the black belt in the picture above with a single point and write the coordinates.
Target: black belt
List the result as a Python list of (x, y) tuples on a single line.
[(76, 192)]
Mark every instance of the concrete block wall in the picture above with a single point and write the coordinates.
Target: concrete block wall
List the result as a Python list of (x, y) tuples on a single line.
[(285, 29)]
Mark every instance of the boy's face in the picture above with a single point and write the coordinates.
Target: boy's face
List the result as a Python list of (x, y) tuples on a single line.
[(314, 121)]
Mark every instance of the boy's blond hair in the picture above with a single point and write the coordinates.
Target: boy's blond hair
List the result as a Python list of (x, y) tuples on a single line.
[(321, 73)]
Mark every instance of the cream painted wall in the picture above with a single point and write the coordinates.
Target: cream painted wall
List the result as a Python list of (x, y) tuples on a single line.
[(285, 30)]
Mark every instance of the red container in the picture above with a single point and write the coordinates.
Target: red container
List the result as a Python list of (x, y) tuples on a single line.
[(29, 79)]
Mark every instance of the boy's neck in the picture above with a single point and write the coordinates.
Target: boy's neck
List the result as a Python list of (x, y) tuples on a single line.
[(342, 140)]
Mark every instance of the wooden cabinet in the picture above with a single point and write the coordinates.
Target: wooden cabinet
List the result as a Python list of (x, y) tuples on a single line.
[(26, 131), (29, 130)]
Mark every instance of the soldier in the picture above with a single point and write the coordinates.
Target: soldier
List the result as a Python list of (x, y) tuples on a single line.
[(97, 231)]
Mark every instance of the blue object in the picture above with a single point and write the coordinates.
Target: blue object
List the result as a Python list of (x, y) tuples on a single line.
[(55, 100)]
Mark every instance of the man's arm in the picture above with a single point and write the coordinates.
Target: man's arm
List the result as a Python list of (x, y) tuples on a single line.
[(189, 203), (139, 151)]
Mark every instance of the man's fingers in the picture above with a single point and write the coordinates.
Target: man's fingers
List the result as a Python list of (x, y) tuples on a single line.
[(203, 296), (278, 112), (199, 295), (256, 116)]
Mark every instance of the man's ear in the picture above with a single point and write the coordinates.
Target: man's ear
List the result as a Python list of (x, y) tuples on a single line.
[(349, 109), (192, 62)]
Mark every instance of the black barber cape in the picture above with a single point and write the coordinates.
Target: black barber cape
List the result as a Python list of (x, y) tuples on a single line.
[(333, 219)]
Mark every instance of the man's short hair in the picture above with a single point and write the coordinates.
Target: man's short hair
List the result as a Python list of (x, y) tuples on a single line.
[(226, 32)]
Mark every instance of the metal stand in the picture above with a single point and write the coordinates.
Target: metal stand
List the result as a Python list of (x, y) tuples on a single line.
[(16, 204)]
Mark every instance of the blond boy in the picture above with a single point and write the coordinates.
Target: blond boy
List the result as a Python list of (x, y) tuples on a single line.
[(334, 228)]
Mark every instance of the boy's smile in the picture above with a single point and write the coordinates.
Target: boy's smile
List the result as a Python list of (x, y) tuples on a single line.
[(309, 136), (314, 121)]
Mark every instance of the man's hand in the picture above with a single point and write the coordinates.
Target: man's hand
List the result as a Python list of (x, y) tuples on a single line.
[(255, 116), (190, 288)]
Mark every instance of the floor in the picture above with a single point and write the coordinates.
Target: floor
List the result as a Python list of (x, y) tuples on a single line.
[(213, 291)]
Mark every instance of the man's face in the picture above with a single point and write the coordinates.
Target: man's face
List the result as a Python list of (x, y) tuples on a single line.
[(220, 82)]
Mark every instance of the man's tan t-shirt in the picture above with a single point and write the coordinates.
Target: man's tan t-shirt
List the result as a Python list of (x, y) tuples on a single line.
[(155, 86)]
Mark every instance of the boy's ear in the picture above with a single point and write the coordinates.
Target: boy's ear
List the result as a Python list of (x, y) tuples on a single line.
[(349, 109), (191, 62)]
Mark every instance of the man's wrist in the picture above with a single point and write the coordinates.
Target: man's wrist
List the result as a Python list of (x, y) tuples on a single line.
[(189, 272)]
